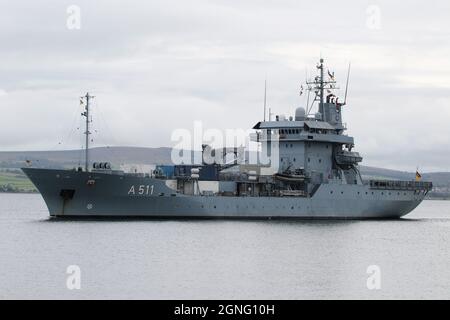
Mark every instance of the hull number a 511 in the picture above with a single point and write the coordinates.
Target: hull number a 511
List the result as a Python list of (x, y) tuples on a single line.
[(141, 190)]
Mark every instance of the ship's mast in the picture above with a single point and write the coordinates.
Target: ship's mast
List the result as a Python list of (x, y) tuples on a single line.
[(88, 98), (321, 88), (319, 85)]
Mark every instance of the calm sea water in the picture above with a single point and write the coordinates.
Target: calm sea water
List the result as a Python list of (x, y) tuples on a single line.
[(219, 259)]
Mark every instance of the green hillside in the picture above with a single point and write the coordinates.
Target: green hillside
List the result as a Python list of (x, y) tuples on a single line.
[(15, 181)]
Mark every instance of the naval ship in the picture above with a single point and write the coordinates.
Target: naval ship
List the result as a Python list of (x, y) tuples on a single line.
[(312, 173)]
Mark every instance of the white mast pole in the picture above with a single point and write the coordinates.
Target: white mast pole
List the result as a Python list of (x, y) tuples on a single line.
[(87, 132)]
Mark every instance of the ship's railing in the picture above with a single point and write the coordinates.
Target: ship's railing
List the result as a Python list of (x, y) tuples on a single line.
[(400, 185)]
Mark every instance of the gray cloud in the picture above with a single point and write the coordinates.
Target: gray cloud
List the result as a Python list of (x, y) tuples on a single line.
[(160, 65)]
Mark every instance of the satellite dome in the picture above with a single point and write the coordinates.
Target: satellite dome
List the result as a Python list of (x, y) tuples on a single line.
[(300, 114)]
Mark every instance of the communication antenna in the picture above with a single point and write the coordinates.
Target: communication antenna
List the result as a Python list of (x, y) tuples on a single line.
[(265, 98), (346, 86)]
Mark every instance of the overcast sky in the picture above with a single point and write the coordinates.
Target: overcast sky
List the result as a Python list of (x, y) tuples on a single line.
[(155, 66)]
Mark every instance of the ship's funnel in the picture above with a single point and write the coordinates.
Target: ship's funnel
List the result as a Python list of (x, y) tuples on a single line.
[(300, 114)]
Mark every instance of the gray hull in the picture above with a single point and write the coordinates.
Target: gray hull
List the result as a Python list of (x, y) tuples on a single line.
[(100, 194)]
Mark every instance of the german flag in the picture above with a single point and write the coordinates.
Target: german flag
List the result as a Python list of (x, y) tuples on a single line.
[(418, 175)]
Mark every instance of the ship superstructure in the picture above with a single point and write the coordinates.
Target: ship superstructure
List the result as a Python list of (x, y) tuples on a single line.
[(312, 173)]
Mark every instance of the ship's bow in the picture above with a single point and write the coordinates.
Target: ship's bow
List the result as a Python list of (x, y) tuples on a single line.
[(52, 186)]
